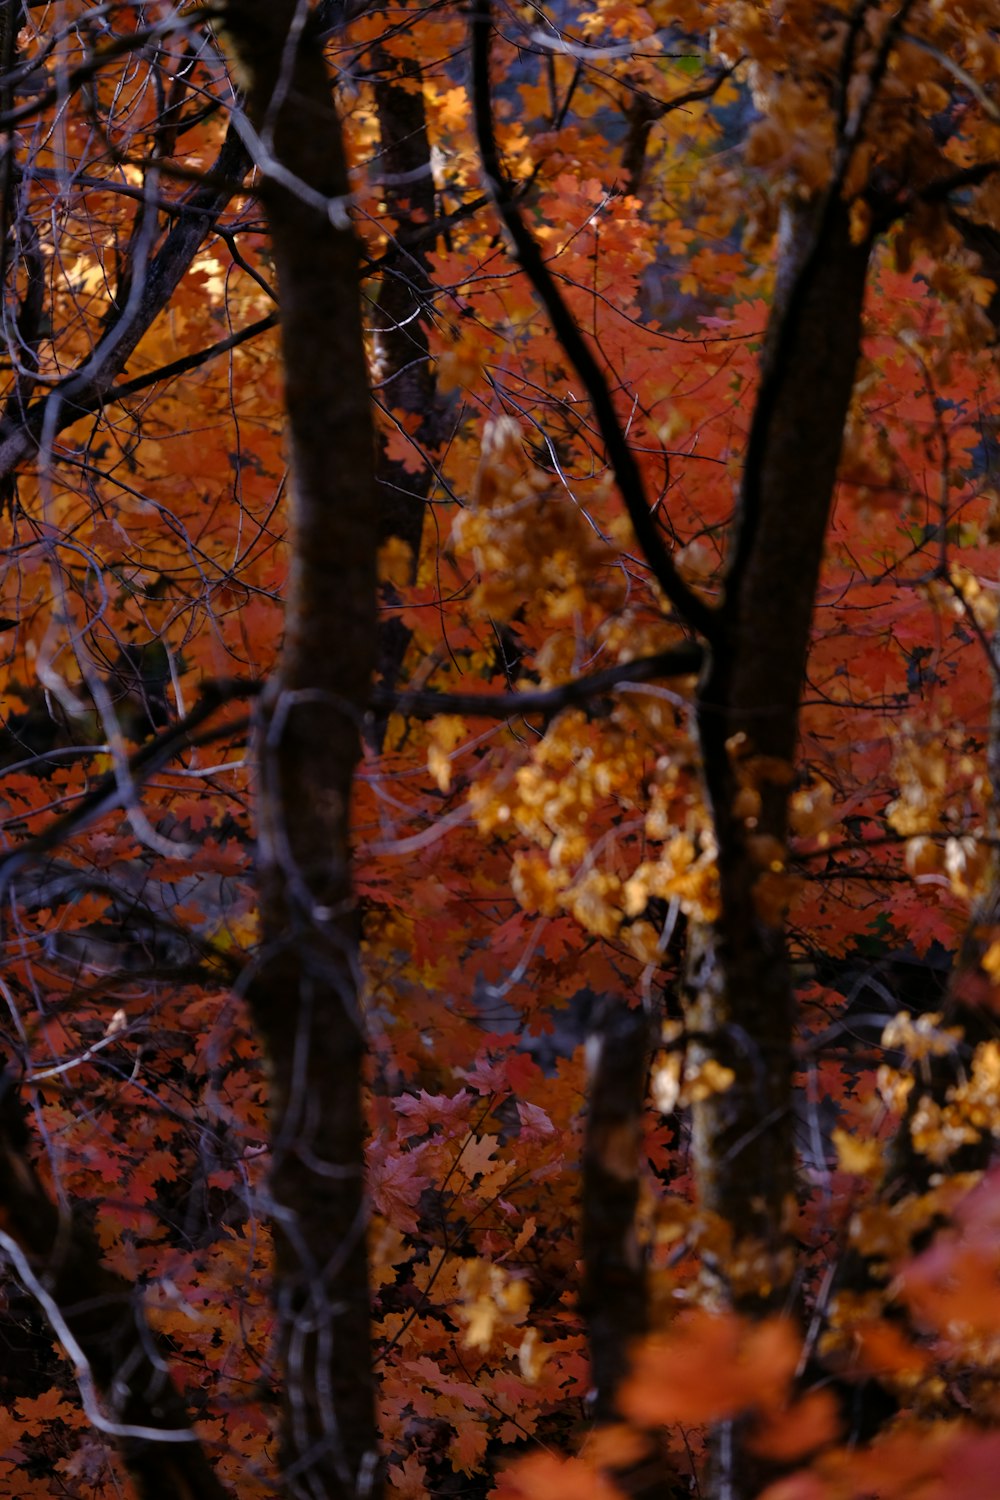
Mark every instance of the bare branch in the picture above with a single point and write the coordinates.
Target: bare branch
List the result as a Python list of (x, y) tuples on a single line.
[(678, 661), (107, 795), (96, 1317), (89, 387)]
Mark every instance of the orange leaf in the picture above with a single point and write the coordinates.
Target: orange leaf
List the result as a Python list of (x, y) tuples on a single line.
[(710, 1366), (545, 1476), (789, 1434), (38, 1412)]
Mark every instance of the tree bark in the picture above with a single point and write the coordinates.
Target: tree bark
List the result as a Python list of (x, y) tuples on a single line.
[(614, 1298), (740, 1010), (407, 382), (305, 993), (741, 1005)]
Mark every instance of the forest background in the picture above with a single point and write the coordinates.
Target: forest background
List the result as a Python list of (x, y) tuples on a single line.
[(501, 548)]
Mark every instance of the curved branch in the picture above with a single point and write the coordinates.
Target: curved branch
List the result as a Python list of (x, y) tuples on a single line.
[(107, 52), (89, 387), (679, 661), (108, 795), (189, 362), (96, 1316), (689, 605)]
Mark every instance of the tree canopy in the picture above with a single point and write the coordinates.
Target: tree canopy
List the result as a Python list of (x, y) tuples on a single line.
[(499, 652)]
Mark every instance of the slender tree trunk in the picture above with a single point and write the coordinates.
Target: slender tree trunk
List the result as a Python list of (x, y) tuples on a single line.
[(407, 383), (740, 1010), (305, 994), (614, 1296)]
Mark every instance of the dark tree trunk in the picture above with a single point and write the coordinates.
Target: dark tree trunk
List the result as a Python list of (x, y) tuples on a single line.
[(614, 1295), (741, 1006), (402, 306), (305, 993)]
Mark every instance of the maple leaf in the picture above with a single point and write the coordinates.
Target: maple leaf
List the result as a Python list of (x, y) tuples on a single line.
[(397, 1179), (490, 1301), (38, 1412), (468, 1446), (535, 1123), (953, 1284), (789, 1434), (861, 1158), (424, 1110), (408, 1479), (476, 1158), (531, 1356)]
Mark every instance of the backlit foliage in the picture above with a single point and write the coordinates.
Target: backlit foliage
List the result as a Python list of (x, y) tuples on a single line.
[(510, 872)]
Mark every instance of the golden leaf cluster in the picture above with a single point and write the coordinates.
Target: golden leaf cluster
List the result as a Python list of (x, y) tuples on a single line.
[(533, 549), (922, 772), (490, 1300)]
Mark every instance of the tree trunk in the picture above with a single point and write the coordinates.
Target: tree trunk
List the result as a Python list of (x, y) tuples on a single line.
[(407, 382), (740, 1010), (614, 1297), (305, 993)]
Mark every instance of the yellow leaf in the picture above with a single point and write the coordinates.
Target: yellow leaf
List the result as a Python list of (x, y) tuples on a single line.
[(395, 561), (531, 1355), (490, 1300), (446, 731), (861, 1158), (991, 961)]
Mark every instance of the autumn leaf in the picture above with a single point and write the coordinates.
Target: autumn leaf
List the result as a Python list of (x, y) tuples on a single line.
[(491, 1301), (397, 1180), (37, 1412), (789, 1434), (545, 1476), (709, 1367)]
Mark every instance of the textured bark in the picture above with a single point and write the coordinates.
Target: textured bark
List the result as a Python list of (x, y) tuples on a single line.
[(614, 1295), (304, 996), (641, 115), (103, 1314), (740, 1010)]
